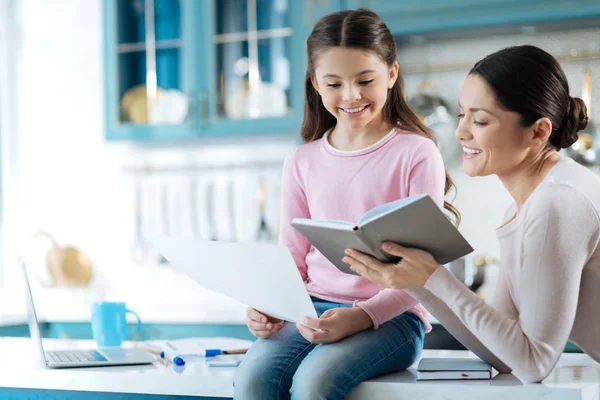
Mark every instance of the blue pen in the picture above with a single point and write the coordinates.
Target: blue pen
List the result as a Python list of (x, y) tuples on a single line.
[(175, 359), (212, 352)]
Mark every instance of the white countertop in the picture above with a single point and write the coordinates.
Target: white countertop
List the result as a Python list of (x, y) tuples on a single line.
[(575, 377)]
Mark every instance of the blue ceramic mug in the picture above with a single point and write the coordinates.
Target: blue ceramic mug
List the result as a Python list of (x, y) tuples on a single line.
[(109, 326)]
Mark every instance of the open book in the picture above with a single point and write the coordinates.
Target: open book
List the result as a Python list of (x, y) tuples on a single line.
[(441, 369), (415, 221)]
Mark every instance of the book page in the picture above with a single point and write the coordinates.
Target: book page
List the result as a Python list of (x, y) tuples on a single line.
[(386, 208), (332, 224)]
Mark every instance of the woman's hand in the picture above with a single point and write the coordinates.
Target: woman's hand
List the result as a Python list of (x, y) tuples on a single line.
[(414, 268), (335, 324), (262, 326)]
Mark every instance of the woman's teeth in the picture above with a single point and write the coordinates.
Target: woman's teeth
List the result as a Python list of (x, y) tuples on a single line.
[(471, 151), (354, 110)]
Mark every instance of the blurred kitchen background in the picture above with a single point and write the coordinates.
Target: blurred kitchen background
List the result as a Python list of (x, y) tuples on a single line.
[(120, 118)]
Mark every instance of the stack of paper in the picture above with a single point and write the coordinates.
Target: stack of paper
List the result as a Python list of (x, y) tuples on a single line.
[(453, 369)]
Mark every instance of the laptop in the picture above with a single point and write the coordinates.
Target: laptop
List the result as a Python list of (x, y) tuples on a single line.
[(66, 358)]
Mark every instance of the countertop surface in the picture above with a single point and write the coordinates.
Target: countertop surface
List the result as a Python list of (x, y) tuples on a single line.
[(576, 376)]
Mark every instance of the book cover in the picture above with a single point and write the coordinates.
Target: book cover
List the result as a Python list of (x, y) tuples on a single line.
[(415, 221), (453, 369)]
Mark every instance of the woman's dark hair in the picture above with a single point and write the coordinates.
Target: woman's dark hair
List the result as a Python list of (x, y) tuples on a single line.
[(364, 30), (531, 82)]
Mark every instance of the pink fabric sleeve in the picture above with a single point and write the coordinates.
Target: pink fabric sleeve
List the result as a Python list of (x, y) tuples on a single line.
[(427, 175), (293, 205)]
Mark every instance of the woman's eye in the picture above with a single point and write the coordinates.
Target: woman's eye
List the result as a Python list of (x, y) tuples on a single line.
[(333, 85), (460, 116), (366, 82), (478, 123)]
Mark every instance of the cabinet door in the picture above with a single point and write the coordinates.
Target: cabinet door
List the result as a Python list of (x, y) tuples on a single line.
[(408, 17), (149, 48), (246, 57)]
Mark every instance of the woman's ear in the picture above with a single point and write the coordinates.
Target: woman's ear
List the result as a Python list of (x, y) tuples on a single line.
[(394, 69), (542, 129)]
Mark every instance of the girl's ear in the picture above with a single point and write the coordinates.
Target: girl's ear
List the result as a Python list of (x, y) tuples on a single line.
[(315, 84), (394, 69)]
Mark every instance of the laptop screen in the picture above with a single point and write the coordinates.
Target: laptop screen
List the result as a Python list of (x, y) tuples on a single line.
[(34, 328)]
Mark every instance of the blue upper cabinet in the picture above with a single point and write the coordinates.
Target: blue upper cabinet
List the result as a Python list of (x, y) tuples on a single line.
[(410, 17), (181, 69), (149, 51)]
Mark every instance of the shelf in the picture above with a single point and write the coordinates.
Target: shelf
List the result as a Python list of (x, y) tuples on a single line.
[(125, 48)]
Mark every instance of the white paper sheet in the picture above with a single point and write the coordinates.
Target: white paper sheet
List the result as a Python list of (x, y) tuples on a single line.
[(260, 275)]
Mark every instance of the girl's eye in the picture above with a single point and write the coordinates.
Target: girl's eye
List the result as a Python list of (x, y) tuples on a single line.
[(366, 82), (460, 116), (333, 85)]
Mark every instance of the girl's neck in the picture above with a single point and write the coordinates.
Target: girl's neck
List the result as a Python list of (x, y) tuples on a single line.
[(347, 139), (523, 180)]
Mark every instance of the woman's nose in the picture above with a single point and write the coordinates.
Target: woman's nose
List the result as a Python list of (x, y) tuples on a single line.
[(462, 132)]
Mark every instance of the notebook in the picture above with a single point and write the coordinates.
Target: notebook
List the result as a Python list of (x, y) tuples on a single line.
[(430, 369), (414, 221)]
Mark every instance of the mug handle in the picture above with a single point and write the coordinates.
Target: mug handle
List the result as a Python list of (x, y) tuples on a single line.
[(139, 324)]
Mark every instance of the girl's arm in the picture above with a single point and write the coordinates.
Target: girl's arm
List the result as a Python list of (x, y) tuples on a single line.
[(427, 176), (560, 234), (293, 205)]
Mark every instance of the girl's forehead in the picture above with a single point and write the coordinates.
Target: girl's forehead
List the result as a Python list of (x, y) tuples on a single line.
[(348, 59)]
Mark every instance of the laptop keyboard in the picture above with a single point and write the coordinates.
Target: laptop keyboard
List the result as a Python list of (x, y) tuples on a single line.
[(74, 356)]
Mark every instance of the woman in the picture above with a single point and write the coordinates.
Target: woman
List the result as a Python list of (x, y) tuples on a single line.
[(516, 113)]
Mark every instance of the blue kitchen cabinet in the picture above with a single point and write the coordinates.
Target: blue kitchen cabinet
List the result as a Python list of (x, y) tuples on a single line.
[(412, 17), (185, 69)]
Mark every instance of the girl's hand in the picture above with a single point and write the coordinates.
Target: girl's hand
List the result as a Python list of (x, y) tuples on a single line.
[(335, 324), (414, 268), (262, 326)]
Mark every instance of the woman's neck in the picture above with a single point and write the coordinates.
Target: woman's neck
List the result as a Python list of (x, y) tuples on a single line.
[(523, 180), (348, 139)]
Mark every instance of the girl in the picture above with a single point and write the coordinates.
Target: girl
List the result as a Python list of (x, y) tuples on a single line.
[(516, 115), (364, 147)]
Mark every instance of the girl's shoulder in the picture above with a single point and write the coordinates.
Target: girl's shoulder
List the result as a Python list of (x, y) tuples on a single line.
[(415, 143)]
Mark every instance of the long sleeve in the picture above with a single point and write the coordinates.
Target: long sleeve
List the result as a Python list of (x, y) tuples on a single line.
[(559, 235), (427, 175), (293, 205)]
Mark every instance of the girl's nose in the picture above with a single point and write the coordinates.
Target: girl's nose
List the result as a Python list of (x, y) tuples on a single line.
[(352, 94)]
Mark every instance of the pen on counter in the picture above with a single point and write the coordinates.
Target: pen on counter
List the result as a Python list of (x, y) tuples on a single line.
[(149, 349), (175, 359), (162, 360), (218, 352)]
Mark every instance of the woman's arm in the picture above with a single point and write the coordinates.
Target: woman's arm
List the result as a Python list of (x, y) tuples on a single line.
[(560, 234), (293, 205)]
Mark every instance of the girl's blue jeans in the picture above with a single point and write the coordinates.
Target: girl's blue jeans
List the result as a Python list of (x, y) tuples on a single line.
[(288, 366)]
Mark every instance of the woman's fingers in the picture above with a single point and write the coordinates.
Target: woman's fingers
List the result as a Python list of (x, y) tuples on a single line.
[(395, 249)]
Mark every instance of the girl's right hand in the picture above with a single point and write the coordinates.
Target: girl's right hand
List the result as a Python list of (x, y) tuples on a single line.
[(262, 326)]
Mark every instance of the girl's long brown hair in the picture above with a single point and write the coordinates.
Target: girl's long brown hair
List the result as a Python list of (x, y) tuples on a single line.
[(365, 30)]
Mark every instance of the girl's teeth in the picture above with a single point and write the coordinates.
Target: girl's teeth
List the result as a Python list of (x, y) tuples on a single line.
[(471, 151), (354, 110)]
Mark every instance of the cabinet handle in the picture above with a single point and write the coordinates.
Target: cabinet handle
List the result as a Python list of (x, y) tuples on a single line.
[(203, 105)]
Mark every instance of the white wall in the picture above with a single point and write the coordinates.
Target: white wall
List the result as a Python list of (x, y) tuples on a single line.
[(71, 181)]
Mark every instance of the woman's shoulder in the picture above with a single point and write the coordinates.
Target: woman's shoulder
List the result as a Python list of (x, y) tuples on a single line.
[(564, 196)]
